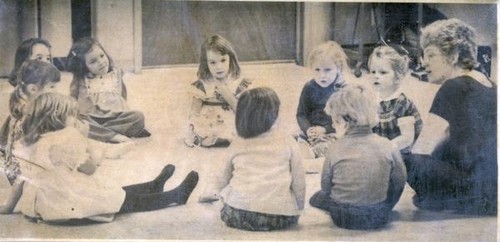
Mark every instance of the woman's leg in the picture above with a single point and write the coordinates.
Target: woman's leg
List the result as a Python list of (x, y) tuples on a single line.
[(154, 186), (135, 202), (438, 184)]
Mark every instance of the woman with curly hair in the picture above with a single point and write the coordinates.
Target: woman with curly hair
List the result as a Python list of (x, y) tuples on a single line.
[(454, 161)]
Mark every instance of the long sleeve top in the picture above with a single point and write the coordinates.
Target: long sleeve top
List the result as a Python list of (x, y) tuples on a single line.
[(360, 167), (310, 111), (264, 174)]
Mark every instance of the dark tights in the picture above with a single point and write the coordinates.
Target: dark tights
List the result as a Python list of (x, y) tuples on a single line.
[(150, 196)]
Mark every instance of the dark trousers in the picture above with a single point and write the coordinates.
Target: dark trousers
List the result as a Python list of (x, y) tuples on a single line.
[(129, 124), (353, 216), (439, 184), (254, 221)]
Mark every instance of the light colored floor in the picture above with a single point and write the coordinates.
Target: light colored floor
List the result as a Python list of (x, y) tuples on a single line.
[(162, 96)]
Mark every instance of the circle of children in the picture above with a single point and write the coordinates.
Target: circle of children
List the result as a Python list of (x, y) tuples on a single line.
[(370, 134)]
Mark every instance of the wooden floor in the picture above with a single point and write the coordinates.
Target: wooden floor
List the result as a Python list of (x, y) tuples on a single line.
[(162, 95)]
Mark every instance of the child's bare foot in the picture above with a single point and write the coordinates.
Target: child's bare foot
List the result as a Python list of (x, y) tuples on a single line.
[(116, 151), (120, 139)]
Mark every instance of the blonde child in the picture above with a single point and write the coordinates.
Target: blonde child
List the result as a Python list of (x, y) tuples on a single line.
[(329, 64), (30, 49), (363, 174), (263, 184), (215, 95), (63, 188), (34, 77), (101, 94), (400, 120)]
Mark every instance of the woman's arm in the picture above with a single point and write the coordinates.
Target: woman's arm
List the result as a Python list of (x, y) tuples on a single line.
[(435, 132), (13, 197)]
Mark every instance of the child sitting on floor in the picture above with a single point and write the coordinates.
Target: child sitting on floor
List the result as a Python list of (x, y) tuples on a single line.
[(263, 180), (329, 63), (363, 174), (62, 187), (400, 120), (101, 94), (215, 95)]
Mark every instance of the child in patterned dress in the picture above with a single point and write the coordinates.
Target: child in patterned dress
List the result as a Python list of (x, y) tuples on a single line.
[(101, 94), (215, 94), (400, 120)]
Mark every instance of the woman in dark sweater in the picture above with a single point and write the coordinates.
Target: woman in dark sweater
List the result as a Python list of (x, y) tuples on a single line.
[(454, 161)]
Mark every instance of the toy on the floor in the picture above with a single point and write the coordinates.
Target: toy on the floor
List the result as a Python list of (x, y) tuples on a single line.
[(98, 87), (262, 183), (215, 94), (364, 175), (329, 64), (399, 119), (62, 187)]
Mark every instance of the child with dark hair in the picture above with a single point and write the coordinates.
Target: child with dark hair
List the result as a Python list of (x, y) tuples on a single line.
[(363, 174), (98, 87), (30, 49), (34, 77), (215, 95), (263, 183)]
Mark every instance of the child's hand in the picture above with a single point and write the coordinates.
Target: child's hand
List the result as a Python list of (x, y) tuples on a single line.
[(315, 132)]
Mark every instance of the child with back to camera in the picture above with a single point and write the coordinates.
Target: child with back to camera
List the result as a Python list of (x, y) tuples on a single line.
[(98, 87), (363, 174), (329, 63), (215, 95), (263, 183), (400, 120), (30, 49), (63, 187), (34, 77)]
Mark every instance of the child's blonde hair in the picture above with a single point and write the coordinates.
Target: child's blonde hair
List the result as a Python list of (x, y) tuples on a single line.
[(397, 57), (48, 112), (330, 50), (354, 103)]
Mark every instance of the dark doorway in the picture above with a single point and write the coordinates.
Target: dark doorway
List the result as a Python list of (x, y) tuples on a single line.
[(80, 19)]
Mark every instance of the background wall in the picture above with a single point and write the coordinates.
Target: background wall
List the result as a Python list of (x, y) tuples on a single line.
[(173, 31)]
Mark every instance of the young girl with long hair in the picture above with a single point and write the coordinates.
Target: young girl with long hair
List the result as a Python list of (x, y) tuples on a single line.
[(30, 49), (63, 188), (101, 94), (215, 95)]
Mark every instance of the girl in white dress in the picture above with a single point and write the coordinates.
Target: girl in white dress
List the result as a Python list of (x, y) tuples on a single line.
[(63, 187)]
